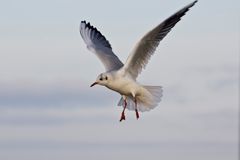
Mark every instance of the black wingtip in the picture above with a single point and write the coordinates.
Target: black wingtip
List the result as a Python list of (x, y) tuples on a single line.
[(187, 8), (89, 26), (83, 21), (193, 3)]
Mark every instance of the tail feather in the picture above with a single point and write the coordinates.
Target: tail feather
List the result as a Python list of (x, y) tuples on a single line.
[(145, 102)]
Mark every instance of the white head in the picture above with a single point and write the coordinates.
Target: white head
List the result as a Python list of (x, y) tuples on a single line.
[(102, 79)]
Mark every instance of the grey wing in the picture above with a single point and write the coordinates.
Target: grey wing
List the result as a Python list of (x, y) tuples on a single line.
[(145, 48), (99, 45)]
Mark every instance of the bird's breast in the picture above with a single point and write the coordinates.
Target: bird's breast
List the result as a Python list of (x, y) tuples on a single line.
[(123, 86)]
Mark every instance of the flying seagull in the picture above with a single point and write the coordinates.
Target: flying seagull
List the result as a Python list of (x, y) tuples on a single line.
[(121, 77)]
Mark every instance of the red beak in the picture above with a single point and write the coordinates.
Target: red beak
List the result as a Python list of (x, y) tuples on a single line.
[(93, 84)]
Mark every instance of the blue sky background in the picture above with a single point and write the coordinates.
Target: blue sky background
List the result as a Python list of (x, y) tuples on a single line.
[(48, 111)]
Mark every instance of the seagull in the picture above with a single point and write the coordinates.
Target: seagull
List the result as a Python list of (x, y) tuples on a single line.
[(121, 77)]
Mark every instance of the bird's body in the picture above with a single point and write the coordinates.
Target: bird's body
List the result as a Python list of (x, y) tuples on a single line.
[(121, 77), (128, 87), (123, 84)]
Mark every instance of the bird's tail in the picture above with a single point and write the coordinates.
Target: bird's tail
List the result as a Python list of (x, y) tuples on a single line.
[(145, 102)]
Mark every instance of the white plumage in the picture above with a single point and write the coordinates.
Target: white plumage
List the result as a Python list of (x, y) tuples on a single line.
[(122, 77)]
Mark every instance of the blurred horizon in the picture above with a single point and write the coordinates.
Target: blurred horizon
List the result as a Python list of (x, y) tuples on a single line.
[(48, 111)]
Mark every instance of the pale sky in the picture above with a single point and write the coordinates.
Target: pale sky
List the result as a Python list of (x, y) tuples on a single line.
[(49, 112)]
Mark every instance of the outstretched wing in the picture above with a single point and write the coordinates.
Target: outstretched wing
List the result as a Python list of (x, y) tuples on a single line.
[(99, 45), (145, 48)]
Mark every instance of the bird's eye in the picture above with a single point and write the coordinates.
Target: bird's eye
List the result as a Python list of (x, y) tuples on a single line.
[(101, 79), (106, 78)]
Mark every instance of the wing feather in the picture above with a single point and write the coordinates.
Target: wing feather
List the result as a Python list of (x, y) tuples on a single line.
[(99, 45), (146, 47)]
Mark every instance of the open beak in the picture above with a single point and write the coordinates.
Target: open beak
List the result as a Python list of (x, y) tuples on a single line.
[(94, 84)]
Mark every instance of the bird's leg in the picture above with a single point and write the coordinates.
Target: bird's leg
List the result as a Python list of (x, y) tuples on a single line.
[(123, 112), (136, 110)]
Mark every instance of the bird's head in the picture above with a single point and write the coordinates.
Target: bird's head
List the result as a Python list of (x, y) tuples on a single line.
[(102, 79)]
